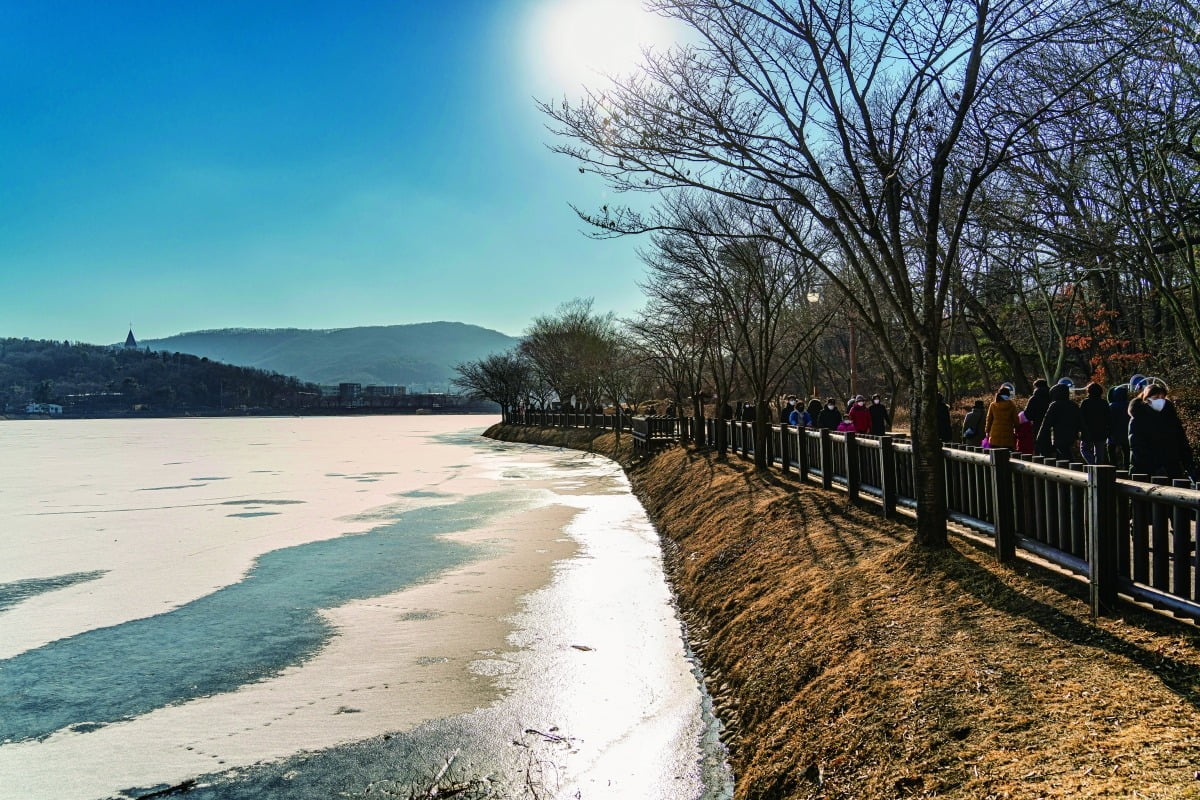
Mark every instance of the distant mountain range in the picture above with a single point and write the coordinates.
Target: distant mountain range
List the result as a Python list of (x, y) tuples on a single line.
[(424, 353)]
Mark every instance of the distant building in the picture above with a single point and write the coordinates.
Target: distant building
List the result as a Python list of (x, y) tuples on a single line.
[(350, 394), (53, 409), (383, 391), (130, 342)]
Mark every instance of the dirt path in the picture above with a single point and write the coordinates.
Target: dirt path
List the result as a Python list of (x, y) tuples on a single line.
[(848, 665)]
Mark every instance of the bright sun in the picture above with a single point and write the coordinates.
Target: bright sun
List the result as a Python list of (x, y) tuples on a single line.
[(576, 42)]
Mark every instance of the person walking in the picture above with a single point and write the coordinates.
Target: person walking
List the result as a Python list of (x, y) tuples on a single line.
[(786, 408), (829, 416), (881, 418), (1158, 446), (1039, 401), (1000, 425), (1118, 426), (1095, 424), (941, 413), (1060, 426), (794, 417), (859, 415), (811, 413), (1024, 434), (973, 424)]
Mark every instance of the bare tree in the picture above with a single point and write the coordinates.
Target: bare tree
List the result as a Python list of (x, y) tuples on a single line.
[(570, 350), (753, 286), (673, 341), (503, 378), (880, 121)]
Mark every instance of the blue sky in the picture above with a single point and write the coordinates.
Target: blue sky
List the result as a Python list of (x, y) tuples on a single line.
[(184, 166)]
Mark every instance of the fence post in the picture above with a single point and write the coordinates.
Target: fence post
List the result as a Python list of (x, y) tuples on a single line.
[(784, 435), (853, 476), (1181, 544), (826, 460), (1002, 494), (887, 473), (802, 453), (1102, 537)]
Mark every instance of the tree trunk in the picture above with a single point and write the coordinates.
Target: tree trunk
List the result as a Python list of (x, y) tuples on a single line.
[(928, 471), (762, 425), (722, 431)]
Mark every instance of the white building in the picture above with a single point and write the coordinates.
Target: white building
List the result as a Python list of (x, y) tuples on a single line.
[(52, 409)]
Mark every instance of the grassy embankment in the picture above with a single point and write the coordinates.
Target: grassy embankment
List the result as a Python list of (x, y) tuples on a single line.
[(847, 665)]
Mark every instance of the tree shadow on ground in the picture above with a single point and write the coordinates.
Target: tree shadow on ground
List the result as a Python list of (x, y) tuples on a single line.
[(958, 570)]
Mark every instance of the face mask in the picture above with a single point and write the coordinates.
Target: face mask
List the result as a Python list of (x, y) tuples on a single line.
[(1158, 403), (1003, 397), (830, 406), (860, 404), (876, 402)]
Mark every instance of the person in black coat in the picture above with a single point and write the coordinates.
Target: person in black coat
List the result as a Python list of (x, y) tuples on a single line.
[(973, 424), (1094, 416), (1158, 445), (813, 411), (786, 408), (1039, 401), (945, 431), (829, 416), (1118, 426), (881, 420), (1060, 426)]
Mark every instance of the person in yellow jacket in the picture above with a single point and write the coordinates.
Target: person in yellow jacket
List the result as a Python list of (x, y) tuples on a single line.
[(1001, 423)]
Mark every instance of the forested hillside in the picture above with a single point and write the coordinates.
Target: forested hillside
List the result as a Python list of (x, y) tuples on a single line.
[(424, 353), (90, 379)]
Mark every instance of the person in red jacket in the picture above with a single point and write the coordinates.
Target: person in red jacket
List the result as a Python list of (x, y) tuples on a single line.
[(859, 415)]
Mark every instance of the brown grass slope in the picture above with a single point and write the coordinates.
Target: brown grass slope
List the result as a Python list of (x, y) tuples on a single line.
[(846, 664)]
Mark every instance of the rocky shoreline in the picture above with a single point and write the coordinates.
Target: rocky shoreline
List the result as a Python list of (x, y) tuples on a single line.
[(844, 663)]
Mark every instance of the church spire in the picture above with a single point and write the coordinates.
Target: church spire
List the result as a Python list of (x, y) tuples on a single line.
[(130, 342)]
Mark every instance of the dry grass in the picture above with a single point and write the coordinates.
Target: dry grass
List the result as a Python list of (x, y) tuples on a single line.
[(847, 664)]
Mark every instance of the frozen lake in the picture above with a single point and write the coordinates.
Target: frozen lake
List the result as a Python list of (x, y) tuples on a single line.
[(322, 607)]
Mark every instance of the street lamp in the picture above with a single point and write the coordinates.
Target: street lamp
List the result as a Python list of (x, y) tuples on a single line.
[(853, 361), (815, 297)]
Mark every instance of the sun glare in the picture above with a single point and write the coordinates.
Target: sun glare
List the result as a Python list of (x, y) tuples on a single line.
[(578, 42)]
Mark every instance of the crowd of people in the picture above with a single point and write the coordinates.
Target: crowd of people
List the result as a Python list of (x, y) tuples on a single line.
[(1142, 434), (860, 415), (1133, 426)]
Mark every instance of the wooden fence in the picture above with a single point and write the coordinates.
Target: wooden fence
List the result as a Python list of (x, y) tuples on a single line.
[(1123, 534)]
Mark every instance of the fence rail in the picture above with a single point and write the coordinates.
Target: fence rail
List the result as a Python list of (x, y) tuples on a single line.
[(1123, 534)]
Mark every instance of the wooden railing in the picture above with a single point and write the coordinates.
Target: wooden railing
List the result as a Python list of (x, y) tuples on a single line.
[(1123, 534)]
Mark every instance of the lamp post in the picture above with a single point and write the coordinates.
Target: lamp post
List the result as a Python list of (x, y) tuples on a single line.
[(814, 297), (853, 361)]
